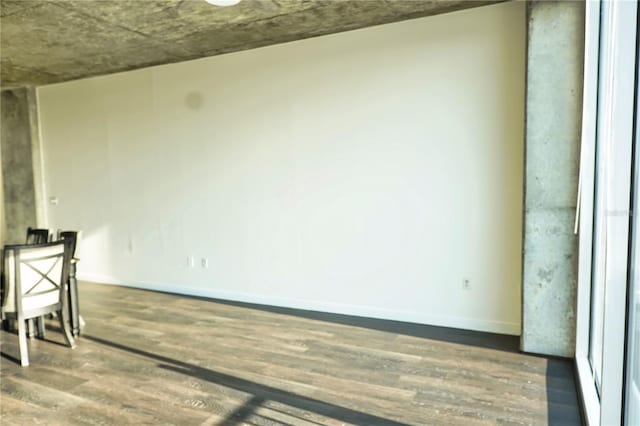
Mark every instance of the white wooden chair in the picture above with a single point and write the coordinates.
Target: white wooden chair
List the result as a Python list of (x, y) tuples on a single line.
[(35, 280)]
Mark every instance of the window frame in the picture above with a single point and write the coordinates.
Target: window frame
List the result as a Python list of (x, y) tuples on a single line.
[(617, 72)]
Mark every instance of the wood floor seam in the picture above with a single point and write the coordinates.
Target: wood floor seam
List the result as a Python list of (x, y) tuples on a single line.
[(155, 358)]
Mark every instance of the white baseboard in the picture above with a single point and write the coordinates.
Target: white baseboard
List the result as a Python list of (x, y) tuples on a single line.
[(310, 305)]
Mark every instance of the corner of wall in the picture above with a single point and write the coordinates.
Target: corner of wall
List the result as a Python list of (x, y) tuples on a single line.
[(37, 159)]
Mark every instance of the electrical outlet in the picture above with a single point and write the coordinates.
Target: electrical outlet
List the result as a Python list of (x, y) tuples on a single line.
[(466, 284), (204, 262), (191, 262)]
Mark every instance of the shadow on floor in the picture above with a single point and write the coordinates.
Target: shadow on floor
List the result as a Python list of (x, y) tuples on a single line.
[(563, 406), (260, 392), (10, 358), (562, 397), (480, 339)]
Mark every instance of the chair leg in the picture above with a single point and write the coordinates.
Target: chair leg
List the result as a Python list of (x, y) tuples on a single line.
[(22, 339), (73, 301), (31, 329), (9, 325), (40, 324), (63, 315)]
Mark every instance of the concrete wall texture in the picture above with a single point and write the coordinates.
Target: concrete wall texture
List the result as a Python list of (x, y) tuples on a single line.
[(3, 223), (555, 33), (18, 133)]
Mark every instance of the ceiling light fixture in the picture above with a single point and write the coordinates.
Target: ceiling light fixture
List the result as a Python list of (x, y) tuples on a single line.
[(223, 3)]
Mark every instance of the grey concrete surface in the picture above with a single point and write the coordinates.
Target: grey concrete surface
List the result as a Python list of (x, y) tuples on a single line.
[(16, 131), (47, 41), (3, 225), (555, 31)]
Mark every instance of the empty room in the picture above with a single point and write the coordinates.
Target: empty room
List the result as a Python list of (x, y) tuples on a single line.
[(319, 212)]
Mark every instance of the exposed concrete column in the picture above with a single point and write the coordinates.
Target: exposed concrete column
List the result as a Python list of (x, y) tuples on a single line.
[(3, 225), (555, 31), (21, 163)]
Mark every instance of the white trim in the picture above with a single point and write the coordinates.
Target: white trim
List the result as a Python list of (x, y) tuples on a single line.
[(602, 163), (615, 110), (619, 179), (590, 399), (632, 391), (587, 165), (311, 305)]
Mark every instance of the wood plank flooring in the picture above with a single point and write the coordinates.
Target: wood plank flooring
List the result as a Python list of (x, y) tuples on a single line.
[(154, 358)]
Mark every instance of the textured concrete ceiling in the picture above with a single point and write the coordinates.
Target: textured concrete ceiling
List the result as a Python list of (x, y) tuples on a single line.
[(48, 41)]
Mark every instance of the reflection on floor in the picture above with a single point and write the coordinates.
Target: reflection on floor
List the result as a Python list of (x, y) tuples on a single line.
[(153, 358)]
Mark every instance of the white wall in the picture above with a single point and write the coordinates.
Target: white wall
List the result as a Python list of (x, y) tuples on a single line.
[(367, 172)]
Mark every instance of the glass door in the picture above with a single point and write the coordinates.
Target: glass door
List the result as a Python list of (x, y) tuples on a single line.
[(633, 335), (632, 394), (598, 273), (606, 163)]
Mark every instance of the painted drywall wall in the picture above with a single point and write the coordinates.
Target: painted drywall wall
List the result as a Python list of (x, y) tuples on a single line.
[(369, 172)]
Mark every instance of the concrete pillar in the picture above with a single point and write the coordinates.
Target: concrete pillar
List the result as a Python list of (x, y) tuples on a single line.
[(3, 225), (555, 31), (21, 163)]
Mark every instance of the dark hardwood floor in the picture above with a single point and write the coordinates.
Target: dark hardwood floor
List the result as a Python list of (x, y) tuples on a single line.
[(154, 358)]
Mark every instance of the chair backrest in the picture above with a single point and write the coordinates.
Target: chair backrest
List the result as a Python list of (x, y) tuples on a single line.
[(74, 237), (37, 236), (34, 277)]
